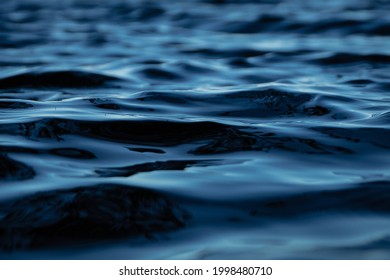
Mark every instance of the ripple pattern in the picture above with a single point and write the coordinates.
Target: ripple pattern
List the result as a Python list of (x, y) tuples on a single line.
[(182, 127)]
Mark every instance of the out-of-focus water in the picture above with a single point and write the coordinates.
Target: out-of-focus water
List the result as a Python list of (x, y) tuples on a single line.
[(195, 129)]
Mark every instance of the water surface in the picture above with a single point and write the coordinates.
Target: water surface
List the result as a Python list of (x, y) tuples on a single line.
[(194, 130)]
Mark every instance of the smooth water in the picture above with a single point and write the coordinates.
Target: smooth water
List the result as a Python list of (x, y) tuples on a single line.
[(195, 129)]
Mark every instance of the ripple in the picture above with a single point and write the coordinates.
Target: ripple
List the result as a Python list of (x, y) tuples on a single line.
[(72, 153), (57, 79), (127, 171), (348, 58), (266, 120), (159, 74), (235, 140), (147, 150), (261, 103)]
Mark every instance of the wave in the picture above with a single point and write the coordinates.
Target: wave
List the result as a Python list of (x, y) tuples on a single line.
[(263, 124), (56, 79)]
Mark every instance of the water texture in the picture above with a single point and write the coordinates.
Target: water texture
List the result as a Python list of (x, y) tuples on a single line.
[(194, 129)]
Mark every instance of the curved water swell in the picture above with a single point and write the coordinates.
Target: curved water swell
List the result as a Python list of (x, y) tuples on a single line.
[(180, 128), (55, 79)]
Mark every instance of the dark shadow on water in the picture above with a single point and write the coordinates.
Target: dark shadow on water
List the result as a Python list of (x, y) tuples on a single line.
[(86, 215), (12, 170)]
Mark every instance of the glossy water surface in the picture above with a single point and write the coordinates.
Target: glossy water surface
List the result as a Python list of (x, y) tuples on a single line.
[(195, 129)]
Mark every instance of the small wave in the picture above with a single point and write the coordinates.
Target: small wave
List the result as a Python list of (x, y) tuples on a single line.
[(261, 103), (159, 74), (154, 133), (147, 150), (128, 171), (348, 58), (235, 140), (56, 79)]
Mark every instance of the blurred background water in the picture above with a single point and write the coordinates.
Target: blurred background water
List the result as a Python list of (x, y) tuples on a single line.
[(195, 129)]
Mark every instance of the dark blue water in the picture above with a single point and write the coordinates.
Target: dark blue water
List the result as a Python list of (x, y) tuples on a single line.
[(195, 129)]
